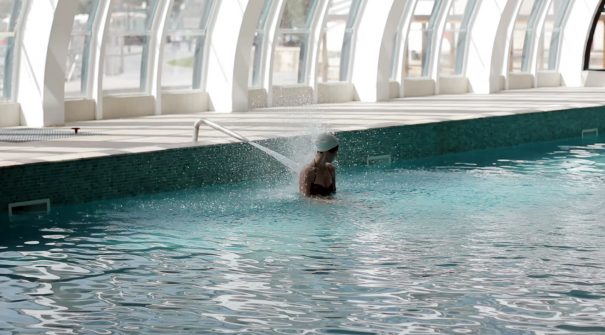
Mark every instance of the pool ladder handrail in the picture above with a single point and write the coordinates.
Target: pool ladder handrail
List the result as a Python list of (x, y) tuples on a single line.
[(198, 123), (290, 164)]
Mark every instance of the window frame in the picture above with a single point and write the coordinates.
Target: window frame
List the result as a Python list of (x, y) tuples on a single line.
[(11, 58), (146, 52)]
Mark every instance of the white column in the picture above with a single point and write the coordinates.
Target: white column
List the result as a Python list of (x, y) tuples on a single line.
[(45, 37), (97, 56), (576, 32), (229, 57), (536, 42), (270, 44), (156, 47), (403, 28), (316, 29), (437, 39), (373, 50), (489, 38)]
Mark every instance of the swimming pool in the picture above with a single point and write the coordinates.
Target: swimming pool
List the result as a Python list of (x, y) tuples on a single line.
[(503, 241)]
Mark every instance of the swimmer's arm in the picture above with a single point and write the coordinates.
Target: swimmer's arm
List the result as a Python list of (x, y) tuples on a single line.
[(307, 175)]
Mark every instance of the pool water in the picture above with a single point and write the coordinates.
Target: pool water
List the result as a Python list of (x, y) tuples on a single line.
[(497, 242)]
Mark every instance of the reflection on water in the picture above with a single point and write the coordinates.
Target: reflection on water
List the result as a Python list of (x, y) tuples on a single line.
[(497, 242)]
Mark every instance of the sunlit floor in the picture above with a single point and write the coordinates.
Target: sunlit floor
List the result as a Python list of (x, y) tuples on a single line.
[(119, 136)]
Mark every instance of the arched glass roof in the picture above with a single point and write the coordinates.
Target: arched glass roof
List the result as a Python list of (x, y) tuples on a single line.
[(197, 50)]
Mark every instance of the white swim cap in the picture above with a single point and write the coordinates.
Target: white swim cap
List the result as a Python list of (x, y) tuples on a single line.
[(326, 142)]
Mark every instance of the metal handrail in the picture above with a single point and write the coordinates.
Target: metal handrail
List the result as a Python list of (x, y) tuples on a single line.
[(290, 164), (198, 123)]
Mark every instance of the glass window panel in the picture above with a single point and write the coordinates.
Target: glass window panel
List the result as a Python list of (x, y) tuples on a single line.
[(126, 46), (545, 38), (453, 43), (597, 60), (347, 44), (297, 14), (551, 34), (185, 42), (189, 15), (4, 50), (518, 48), (286, 62), (416, 43), (258, 47), (79, 48), (290, 54), (332, 40), (10, 11)]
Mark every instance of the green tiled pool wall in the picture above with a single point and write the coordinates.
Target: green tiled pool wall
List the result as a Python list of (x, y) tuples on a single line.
[(167, 170), (131, 174)]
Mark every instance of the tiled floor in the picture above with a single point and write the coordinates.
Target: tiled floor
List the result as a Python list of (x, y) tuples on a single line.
[(109, 137)]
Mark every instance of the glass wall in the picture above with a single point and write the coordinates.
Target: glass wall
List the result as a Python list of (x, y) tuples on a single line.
[(10, 12), (551, 34), (596, 60), (523, 36), (259, 47), (291, 50), (336, 38), (187, 29), (418, 40), (453, 44), (78, 52), (127, 45)]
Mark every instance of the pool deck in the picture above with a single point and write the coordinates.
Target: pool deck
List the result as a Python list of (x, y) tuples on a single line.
[(144, 134)]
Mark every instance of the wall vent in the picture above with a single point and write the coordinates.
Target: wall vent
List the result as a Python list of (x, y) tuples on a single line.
[(379, 160), (40, 206), (590, 132)]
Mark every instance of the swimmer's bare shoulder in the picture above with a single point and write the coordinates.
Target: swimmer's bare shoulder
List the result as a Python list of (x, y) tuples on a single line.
[(306, 177)]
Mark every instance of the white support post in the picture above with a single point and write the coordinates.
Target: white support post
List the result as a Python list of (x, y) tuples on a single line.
[(154, 63), (403, 29), (576, 31), (97, 56), (271, 37), (504, 39), (536, 42), (489, 38), (316, 30), (46, 33), (437, 40), (373, 49), (229, 57)]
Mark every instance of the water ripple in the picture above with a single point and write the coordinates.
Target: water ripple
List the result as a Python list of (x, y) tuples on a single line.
[(498, 243)]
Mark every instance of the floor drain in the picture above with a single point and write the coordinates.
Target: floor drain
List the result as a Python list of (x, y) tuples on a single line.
[(17, 135)]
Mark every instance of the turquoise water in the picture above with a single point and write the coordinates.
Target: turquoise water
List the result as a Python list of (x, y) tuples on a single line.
[(495, 242)]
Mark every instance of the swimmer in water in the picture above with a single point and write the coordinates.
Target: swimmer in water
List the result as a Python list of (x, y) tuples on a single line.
[(318, 178)]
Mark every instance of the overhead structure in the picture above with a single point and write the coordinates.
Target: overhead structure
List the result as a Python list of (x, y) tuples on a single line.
[(72, 60)]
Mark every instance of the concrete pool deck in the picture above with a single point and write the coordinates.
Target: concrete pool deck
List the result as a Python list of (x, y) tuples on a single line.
[(155, 133)]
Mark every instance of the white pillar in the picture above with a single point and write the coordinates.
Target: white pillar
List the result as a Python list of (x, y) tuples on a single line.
[(576, 32), (539, 28), (45, 38), (229, 56), (269, 45), (373, 49), (156, 47), (97, 56), (489, 38), (437, 39), (399, 55), (316, 29)]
